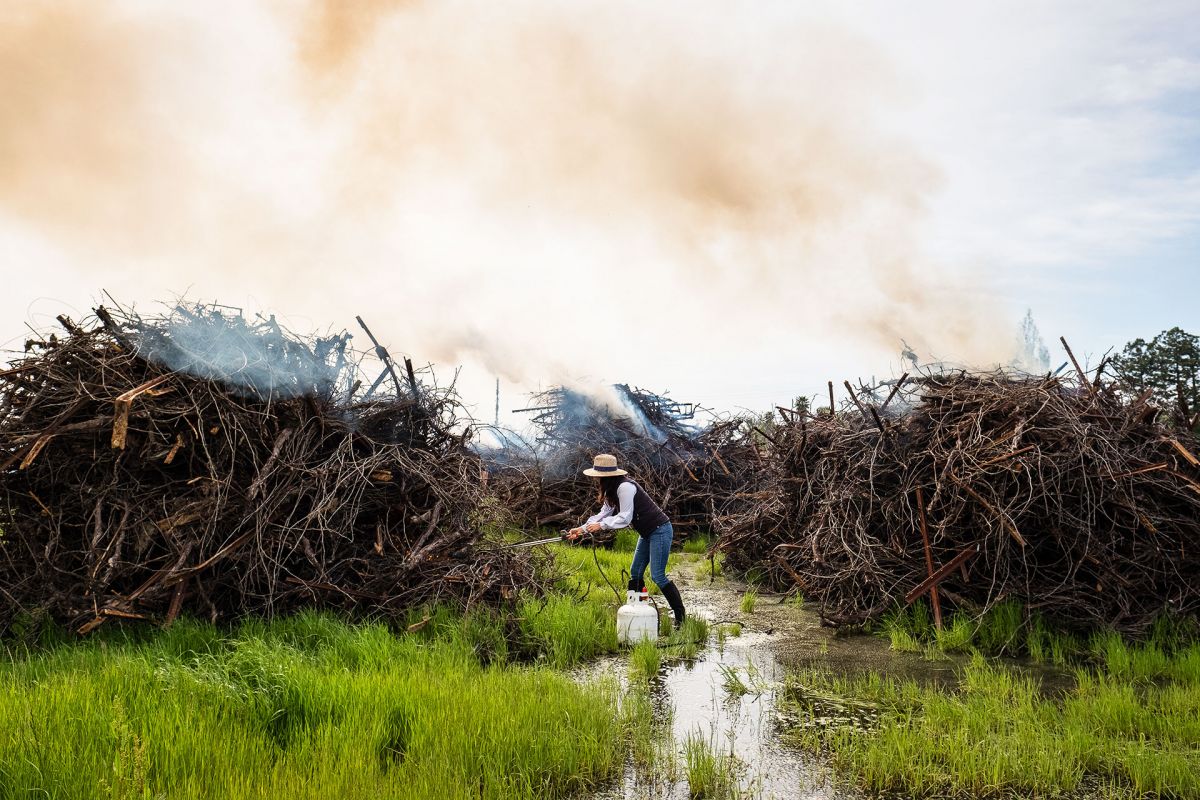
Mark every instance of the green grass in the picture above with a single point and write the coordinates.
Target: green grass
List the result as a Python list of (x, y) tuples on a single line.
[(749, 599), (955, 636), (1001, 629), (1005, 629), (713, 567), (904, 642), (1129, 726), (648, 731), (686, 642), (592, 571), (731, 680), (645, 659), (711, 775), (564, 631), (625, 541), (308, 707), (465, 706), (694, 629), (698, 543)]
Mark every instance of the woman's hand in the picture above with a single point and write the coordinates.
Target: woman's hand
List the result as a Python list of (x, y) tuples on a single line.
[(574, 533), (592, 527)]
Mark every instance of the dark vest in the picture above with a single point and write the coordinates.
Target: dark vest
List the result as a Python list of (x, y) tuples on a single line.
[(647, 516)]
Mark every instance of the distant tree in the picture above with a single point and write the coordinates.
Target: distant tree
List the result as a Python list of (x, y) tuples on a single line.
[(800, 404), (1168, 365)]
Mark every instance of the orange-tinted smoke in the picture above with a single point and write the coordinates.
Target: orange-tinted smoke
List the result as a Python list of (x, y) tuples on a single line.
[(739, 167)]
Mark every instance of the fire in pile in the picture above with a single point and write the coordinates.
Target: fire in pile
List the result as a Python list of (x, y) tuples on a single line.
[(1063, 493), (691, 468), (201, 463)]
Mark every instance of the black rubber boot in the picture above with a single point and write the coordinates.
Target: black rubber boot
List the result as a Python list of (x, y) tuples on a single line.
[(637, 586), (671, 592)]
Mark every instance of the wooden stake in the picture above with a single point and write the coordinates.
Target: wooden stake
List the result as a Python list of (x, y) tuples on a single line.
[(1083, 377), (933, 589), (892, 393)]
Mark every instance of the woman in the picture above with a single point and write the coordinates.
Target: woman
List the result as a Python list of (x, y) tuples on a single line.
[(626, 504)]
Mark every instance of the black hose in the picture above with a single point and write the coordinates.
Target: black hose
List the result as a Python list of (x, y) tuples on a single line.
[(600, 569)]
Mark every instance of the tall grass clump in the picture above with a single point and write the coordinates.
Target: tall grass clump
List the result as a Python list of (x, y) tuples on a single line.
[(1001, 629), (955, 636), (686, 642), (564, 631), (694, 629), (711, 775), (749, 600), (307, 707), (645, 659)]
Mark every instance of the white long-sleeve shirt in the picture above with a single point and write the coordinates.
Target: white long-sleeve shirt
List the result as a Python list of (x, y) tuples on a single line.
[(611, 521)]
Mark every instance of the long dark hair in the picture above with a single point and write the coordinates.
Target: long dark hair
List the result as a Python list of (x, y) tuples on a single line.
[(608, 491)]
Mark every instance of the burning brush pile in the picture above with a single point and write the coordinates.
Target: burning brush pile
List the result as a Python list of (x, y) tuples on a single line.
[(1063, 494), (201, 463), (690, 469)]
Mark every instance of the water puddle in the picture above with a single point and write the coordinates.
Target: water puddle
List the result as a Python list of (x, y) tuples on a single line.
[(727, 696)]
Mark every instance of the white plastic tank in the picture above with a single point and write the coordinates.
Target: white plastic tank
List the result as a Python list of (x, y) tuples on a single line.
[(637, 620)]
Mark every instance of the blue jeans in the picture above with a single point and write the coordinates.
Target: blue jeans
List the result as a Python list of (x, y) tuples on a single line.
[(653, 552)]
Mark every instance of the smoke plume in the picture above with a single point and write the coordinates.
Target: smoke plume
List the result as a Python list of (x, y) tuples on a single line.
[(529, 186)]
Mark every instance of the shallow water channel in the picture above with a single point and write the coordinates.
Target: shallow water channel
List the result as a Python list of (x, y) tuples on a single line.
[(695, 695)]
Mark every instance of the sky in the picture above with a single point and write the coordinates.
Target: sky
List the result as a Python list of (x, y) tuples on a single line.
[(732, 202)]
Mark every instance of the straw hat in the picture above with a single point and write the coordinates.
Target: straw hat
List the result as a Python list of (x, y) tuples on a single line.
[(604, 466)]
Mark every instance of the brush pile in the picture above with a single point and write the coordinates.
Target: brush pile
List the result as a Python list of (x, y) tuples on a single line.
[(205, 464), (687, 468), (1064, 494)]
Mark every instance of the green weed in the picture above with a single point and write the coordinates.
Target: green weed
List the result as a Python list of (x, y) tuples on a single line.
[(749, 599), (686, 642), (955, 636), (710, 775), (901, 639), (649, 732), (694, 629), (1000, 629), (645, 659), (732, 629), (731, 680)]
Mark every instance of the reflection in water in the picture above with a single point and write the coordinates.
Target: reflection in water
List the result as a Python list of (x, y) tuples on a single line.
[(727, 696)]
